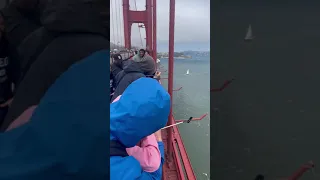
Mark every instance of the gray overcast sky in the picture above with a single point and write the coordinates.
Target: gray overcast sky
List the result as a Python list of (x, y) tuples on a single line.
[(192, 21)]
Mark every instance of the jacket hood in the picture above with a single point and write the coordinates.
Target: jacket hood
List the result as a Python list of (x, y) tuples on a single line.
[(131, 66), (142, 110), (146, 64), (66, 135)]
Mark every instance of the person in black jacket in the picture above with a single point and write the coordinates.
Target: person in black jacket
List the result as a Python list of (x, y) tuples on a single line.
[(5, 83), (125, 77), (45, 38), (125, 72)]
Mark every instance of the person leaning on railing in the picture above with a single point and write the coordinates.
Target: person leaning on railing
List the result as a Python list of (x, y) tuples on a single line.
[(147, 151), (45, 39), (66, 138), (131, 122), (125, 72)]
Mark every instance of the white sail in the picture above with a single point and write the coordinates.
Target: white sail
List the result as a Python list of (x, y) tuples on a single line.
[(187, 71), (249, 35)]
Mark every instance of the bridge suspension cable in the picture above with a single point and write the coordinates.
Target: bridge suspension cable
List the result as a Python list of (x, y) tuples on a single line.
[(117, 29), (120, 19), (116, 23), (112, 38), (139, 27)]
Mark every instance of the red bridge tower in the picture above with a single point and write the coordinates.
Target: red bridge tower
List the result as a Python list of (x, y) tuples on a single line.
[(148, 17)]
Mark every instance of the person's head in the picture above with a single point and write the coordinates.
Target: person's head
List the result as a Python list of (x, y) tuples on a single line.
[(146, 65), (142, 110), (135, 52), (142, 52)]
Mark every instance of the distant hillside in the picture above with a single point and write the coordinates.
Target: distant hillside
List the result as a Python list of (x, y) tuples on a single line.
[(179, 55), (114, 46), (197, 53)]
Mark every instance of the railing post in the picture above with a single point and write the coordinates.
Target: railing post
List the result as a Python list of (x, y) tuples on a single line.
[(170, 76), (154, 29), (126, 24)]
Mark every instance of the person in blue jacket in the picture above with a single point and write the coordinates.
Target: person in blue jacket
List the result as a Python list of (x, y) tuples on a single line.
[(142, 110), (67, 135)]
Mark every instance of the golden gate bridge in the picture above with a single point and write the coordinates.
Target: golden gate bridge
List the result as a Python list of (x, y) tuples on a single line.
[(125, 16)]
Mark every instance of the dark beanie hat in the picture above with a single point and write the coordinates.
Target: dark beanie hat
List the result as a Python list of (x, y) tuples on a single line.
[(147, 65)]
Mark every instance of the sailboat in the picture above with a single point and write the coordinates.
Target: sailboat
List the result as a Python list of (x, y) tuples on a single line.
[(187, 72), (249, 36)]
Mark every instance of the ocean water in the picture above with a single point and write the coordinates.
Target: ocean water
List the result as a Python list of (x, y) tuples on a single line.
[(267, 120), (193, 100)]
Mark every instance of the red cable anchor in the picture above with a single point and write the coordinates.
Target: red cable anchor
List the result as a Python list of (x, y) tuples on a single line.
[(225, 84), (304, 168), (296, 175), (177, 89), (194, 119)]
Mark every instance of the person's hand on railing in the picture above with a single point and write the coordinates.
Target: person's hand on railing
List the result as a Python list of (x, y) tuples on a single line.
[(157, 76)]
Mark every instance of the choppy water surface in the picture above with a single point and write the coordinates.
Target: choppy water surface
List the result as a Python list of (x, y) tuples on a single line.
[(193, 100)]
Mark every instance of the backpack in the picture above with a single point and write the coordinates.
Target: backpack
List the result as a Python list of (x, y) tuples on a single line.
[(117, 149)]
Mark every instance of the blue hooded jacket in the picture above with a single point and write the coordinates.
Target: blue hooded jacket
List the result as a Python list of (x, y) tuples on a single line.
[(67, 136), (142, 110)]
